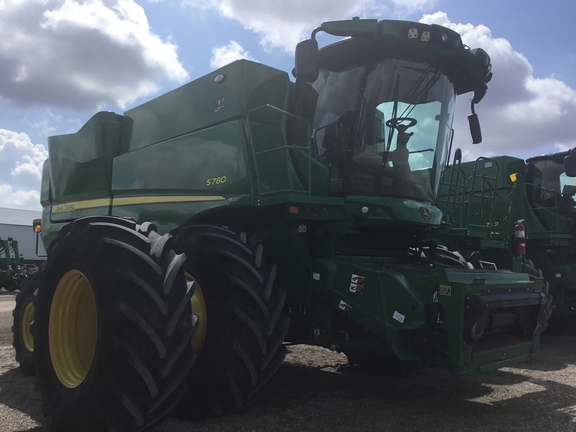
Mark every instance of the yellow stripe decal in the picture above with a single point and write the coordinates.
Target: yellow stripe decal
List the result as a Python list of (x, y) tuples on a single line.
[(164, 199), (106, 202), (81, 205)]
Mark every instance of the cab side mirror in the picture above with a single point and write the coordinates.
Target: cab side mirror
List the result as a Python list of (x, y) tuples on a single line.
[(306, 61), (475, 130), (570, 165)]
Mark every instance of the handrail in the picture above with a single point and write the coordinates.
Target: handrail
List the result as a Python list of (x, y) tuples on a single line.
[(289, 150)]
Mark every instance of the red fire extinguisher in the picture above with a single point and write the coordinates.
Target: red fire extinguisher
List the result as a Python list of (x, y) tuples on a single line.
[(520, 237)]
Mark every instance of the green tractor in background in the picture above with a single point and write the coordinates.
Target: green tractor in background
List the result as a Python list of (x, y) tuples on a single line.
[(15, 274), (192, 237), (12, 268), (485, 201)]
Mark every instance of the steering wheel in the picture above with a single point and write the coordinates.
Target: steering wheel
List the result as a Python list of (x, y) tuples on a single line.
[(396, 122)]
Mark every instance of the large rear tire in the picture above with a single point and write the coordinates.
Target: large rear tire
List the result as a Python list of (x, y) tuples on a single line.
[(242, 325), (23, 315), (113, 327)]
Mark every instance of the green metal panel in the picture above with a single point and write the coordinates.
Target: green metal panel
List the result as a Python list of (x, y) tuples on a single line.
[(382, 300), (395, 209), (225, 94), (210, 161), (81, 163), (409, 307)]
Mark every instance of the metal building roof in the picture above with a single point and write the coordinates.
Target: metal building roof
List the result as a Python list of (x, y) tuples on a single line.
[(18, 217)]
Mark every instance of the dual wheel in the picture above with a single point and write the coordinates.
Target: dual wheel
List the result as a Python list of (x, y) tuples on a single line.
[(23, 315), (112, 327), (116, 337), (241, 320)]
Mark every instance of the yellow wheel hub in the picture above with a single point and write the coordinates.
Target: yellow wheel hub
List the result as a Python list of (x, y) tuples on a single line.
[(199, 308), (73, 328), (27, 319)]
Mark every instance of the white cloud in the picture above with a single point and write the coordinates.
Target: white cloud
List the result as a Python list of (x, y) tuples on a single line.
[(80, 54), (225, 54), (520, 114), (44, 121), (20, 170), (284, 23), (19, 199)]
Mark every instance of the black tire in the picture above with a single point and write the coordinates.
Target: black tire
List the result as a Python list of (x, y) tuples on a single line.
[(124, 299), (22, 329), (11, 284), (244, 320), (535, 272)]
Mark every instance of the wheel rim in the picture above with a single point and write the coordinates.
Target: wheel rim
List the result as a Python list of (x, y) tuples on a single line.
[(199, 308), (27, 319), (73, 328)]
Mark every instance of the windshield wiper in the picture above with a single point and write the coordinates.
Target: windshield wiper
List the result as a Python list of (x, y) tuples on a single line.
[(432, 81)]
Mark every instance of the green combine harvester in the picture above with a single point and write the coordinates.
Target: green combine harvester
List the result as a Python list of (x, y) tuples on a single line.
[(487, 199), (12, 268), (194, 236)]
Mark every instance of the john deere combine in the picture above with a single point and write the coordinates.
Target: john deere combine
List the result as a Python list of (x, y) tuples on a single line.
[(485, 202), (283, 212)]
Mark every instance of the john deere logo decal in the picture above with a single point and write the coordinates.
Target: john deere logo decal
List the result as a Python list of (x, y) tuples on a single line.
[(219, 104), (424, 212)]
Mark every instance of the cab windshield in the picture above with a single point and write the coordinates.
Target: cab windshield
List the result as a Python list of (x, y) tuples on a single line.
[(384, 129), (552, 187)]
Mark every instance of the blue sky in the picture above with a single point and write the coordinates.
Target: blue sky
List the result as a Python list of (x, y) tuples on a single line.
[(61, 61)]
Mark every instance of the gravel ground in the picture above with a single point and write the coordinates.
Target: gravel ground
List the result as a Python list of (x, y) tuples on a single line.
[(316, 390)]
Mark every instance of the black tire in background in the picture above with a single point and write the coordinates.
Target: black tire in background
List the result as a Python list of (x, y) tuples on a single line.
[(535, 272), (113, 327), (242, 322), (10, 284), (22, 329)]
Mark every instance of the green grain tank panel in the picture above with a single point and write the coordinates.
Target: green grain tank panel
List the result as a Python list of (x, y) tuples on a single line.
[(192, 140), (221, 96), (187, 163)]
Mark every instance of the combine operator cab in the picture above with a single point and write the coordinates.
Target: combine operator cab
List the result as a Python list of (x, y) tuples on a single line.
[(383, 121), (384, 129), (551, 189)]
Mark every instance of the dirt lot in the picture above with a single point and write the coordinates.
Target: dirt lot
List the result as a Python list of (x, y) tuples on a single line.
[(317, 391)]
